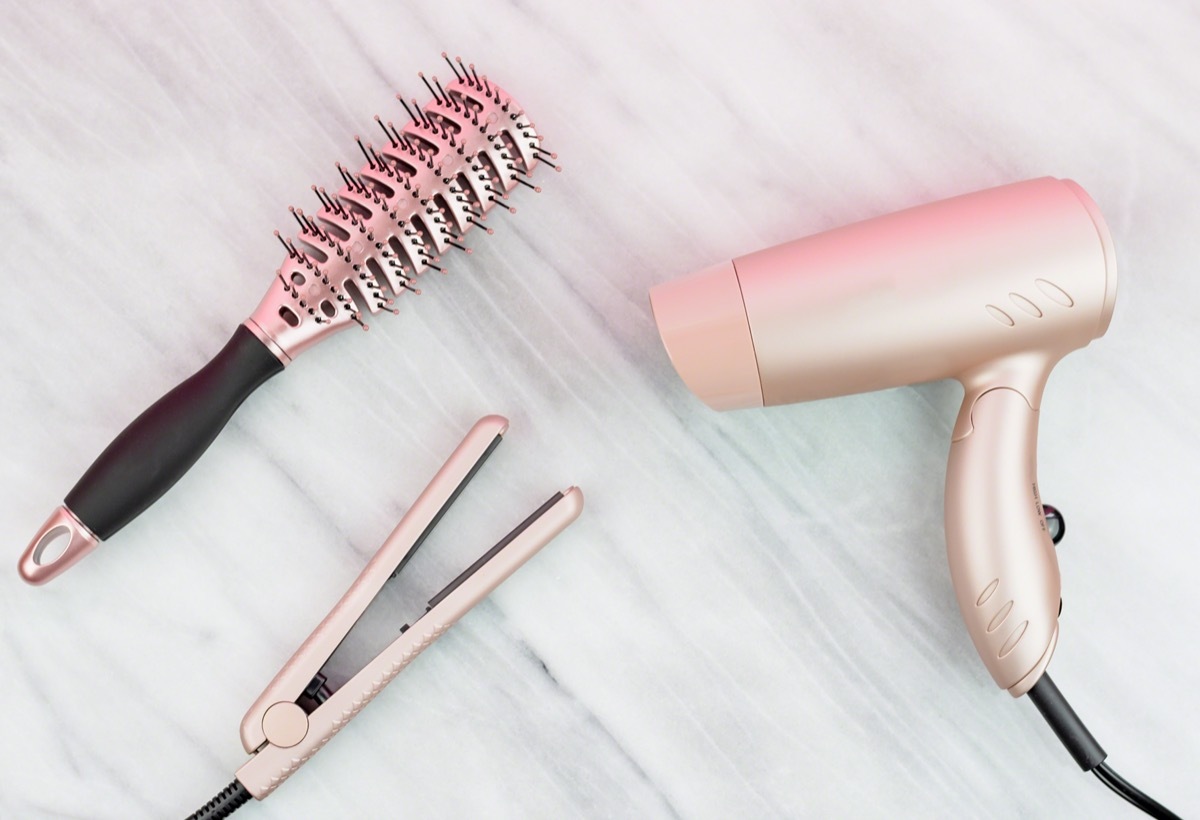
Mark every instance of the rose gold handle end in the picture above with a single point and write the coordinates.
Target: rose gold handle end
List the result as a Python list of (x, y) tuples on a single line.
[(57, 546)]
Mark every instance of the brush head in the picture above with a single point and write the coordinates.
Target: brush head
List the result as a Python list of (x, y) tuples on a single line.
[(416, 196)]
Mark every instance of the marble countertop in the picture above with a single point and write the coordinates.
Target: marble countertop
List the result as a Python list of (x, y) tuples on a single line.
[(753, 617)]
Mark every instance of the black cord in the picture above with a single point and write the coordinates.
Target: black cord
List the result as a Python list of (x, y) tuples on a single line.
[(1084, 748), (1131, 793), (228, 800)]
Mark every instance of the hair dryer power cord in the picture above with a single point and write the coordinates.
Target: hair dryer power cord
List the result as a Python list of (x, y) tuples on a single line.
[(1086, 751)]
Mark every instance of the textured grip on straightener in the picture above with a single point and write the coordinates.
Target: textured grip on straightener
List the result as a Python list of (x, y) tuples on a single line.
[(266, 771), (162, 444), (1002, 560)]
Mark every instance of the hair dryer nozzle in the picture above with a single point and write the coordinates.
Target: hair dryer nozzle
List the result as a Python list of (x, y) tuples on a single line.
[(703, 324)]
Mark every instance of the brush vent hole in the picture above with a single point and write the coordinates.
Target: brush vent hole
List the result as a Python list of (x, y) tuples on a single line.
[(510, 148), (359, 210), (377, 271), (356, 296), (401, 253), (401, 166), (468, 192), (424, 144), (418, 225), (446, 123), (451, 216), (312, 250), (466, 101), (335, 229), (491, 173), (380, 188)]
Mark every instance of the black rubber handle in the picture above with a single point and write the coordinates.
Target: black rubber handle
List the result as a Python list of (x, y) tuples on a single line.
[(162, 444)]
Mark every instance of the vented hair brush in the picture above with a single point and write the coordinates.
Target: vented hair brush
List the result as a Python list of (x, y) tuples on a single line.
[(415, 197)]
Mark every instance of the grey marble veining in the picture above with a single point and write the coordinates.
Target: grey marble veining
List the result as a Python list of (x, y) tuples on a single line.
[(753, 618)]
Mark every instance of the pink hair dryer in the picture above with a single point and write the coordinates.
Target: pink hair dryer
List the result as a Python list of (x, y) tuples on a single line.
[(992, 289)]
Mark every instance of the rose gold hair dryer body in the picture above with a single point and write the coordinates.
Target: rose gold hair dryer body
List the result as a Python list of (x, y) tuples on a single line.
[(992, 289)]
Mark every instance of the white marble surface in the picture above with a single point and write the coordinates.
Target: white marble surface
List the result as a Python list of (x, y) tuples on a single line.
[(753, 618)]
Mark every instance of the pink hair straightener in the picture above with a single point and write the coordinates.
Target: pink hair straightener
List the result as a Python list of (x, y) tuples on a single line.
[(417, 195), (300, 710), (992, 289)]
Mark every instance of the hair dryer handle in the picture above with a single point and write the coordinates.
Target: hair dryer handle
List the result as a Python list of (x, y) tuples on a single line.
[(1002, 559)]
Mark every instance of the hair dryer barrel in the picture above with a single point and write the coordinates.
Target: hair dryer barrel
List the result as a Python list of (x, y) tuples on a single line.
[(936, 291)]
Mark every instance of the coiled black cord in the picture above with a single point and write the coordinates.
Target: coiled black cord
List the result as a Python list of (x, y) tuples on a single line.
[(228, 800), (1084, 748)]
